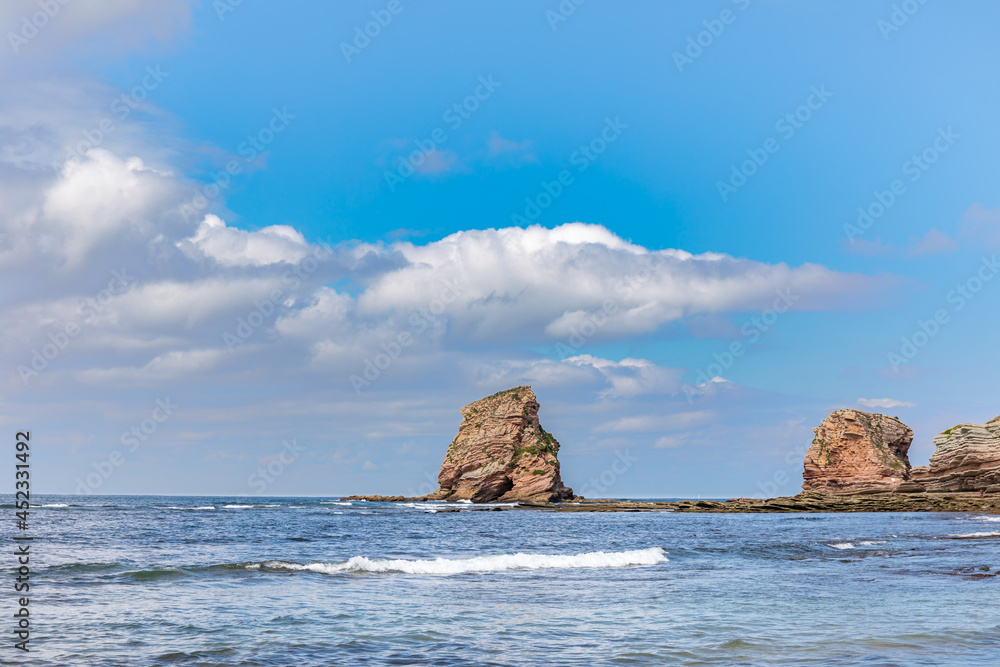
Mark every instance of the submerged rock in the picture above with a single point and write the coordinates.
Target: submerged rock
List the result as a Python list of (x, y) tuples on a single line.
[(857, 452), (502, 453), (967, 458)]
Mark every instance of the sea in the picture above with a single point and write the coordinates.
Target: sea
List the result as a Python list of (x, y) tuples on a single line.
[(167, 580)]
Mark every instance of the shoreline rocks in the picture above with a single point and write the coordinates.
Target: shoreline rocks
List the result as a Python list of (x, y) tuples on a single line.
[(857, 452), (967, 458)]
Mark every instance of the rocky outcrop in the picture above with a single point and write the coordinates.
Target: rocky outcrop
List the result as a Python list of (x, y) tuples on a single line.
[(967, 458), (857, 452), (502, 453)]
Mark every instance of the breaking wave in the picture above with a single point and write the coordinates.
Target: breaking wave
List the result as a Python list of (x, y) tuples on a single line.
[(498, 563)]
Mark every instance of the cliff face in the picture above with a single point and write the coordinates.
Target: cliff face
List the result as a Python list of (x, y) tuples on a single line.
[(857, 452), (967, 458), (502, 453)]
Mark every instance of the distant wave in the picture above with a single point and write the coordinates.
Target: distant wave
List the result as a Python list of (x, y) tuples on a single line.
[(173, 507), (852, 545), (498, 563), (967, 536)]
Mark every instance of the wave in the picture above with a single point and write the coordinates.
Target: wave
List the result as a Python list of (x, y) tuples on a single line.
[(841, 545), (497, 563), (173, 507), (986, 518), (967, 536), (54, 505)]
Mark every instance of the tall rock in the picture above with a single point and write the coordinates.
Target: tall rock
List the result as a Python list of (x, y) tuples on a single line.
[(857, 452), (502, 453), (967, 458)]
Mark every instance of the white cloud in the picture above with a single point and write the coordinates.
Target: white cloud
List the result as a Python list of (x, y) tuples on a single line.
[(886, 403), (649, 423), (538, 282), (230, 246)]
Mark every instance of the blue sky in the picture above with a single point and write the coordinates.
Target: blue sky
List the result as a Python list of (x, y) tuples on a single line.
[(887, 107)]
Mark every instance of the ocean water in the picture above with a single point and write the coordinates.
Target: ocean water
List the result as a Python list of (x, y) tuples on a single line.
[(125, 580)]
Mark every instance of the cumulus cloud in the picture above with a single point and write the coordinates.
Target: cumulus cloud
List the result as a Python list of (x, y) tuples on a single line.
[(230, 246), (608, 379), (539, 282)]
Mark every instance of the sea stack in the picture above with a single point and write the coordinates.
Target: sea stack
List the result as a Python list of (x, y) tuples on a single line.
[(502, 453), (857, 452), (967, 458)]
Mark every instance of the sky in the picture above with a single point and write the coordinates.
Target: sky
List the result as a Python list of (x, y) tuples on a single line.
[(262, 249)]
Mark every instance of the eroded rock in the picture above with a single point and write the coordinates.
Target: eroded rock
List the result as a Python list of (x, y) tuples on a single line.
[(857, 452), (502, 453)]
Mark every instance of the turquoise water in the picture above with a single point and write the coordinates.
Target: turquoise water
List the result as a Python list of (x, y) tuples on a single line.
[(231, 581)]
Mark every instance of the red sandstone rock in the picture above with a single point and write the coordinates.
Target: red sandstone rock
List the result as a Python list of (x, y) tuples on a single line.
[(502, 453), (857, 452), (967, 458)]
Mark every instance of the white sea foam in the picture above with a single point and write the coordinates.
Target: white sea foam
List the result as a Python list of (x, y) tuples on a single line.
[(52, 505), (986, 518), (498, 563), (870, 543), (962, 535), (235, 507), (458, 504), (841, 545)]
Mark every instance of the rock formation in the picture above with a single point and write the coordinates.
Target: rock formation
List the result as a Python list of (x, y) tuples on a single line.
[(967, 458), (502, 453), (857, 452)]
